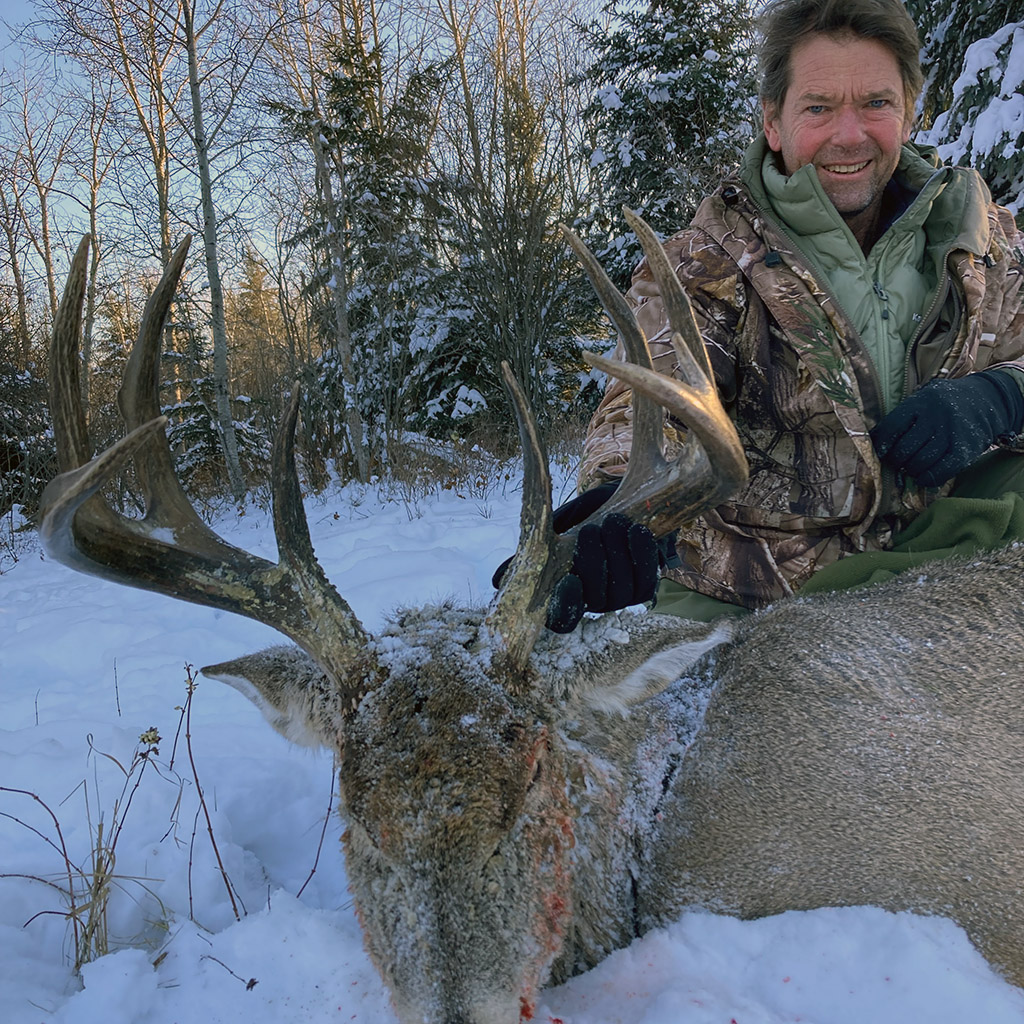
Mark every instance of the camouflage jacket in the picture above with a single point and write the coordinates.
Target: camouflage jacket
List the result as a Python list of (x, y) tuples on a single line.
[(802, 391)]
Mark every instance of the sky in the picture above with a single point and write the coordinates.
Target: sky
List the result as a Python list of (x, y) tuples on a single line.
[(12, 14), (87, 667)]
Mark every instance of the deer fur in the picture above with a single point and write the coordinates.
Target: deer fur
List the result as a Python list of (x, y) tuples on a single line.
[(519, 803), (844, 749)]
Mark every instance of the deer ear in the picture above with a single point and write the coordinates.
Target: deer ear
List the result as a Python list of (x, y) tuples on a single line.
[(291, 691), (651, 659)]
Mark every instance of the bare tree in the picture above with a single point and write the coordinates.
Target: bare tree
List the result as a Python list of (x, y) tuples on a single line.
[(13, 232), (92, 162), (41, 125), (136, 45), (507, 158), (203, 142), (182, 75)]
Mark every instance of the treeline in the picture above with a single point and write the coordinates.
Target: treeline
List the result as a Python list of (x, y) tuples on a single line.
[(374, 189)]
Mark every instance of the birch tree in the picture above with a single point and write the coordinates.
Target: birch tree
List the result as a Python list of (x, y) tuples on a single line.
[(203, 142), (180, 76), (43, 125)]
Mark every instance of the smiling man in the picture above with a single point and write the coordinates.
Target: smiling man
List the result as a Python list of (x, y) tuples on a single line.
[(862, 307), (844, 113)]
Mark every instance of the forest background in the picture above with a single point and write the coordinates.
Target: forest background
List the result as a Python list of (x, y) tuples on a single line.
[(374, 189)]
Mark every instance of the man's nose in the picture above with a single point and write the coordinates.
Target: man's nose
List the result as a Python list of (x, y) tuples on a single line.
[(848, 127)]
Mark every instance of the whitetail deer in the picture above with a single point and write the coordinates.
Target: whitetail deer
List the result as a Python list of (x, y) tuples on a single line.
[(519, 804)]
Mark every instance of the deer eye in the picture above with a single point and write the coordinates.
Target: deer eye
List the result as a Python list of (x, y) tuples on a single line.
[(514, 733)]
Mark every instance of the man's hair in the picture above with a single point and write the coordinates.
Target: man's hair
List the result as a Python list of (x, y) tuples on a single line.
[(786, 23)]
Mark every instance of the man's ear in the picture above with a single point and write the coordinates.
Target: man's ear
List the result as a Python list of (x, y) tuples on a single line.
[(770, 120)]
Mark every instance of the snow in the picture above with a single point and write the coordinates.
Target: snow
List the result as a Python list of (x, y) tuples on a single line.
[(87, 666), (467, 401), (969, 135)]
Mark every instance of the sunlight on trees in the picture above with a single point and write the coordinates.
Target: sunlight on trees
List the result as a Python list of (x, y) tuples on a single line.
[(377, 187)]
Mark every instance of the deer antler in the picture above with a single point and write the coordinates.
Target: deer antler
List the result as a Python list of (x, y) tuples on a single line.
[(661, 494), (171, 550)]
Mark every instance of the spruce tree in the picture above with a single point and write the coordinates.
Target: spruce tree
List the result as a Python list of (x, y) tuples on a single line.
[(973, 102), (673, 107), (372, 245)]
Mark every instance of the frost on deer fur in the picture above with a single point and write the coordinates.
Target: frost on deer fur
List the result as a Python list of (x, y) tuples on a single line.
[(609, 664), (561, 844), (290, 690), (519, 804)]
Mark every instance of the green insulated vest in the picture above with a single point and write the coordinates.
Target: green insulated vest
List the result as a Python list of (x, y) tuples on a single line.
[(888, 292)]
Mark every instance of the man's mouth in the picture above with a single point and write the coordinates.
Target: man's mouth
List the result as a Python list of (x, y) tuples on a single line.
[(846, 168)]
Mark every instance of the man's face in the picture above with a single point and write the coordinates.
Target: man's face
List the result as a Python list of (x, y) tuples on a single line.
[(845, 113)]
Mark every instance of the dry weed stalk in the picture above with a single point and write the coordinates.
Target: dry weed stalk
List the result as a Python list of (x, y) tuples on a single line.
[(86, 888)]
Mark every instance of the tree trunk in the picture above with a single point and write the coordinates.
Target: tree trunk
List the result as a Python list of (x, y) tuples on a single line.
[(218, 324), (21, 333), (339, 296)]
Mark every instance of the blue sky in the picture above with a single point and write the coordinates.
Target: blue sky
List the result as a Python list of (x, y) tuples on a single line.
[(15, 12)]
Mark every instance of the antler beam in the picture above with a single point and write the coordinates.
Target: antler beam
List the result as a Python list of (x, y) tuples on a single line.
[(660, 493), (171, 550)]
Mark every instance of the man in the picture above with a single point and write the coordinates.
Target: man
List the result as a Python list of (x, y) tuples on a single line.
[(863, 309)]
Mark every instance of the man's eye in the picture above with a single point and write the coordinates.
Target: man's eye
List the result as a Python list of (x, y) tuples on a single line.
[(816, 108), (878, 104)]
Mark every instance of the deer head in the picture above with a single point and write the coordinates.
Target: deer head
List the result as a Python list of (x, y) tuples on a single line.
[(457, 767)]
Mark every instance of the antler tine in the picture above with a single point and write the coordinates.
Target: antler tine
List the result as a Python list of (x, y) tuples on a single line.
[(645, 461), (673, 295), (65, 494), (139, 401), (72, 435), (661, 494), (328, 612), (521, 606), (171, 551)]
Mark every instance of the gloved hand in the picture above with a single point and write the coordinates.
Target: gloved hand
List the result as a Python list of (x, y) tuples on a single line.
[(615, 563), (575, 510), (946, 425)]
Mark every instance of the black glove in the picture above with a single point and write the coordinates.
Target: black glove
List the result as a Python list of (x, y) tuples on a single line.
[(566, 516), (615, 563), (946, 425), (575, 510)]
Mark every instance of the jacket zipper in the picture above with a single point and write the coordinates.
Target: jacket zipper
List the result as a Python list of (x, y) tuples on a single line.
[(808, 265), (928, 320), (888, 476)]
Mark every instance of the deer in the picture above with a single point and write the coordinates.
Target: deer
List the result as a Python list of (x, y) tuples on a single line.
[(519, 803)]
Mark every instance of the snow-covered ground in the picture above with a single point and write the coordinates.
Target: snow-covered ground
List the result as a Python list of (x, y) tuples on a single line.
[(86, 667)]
